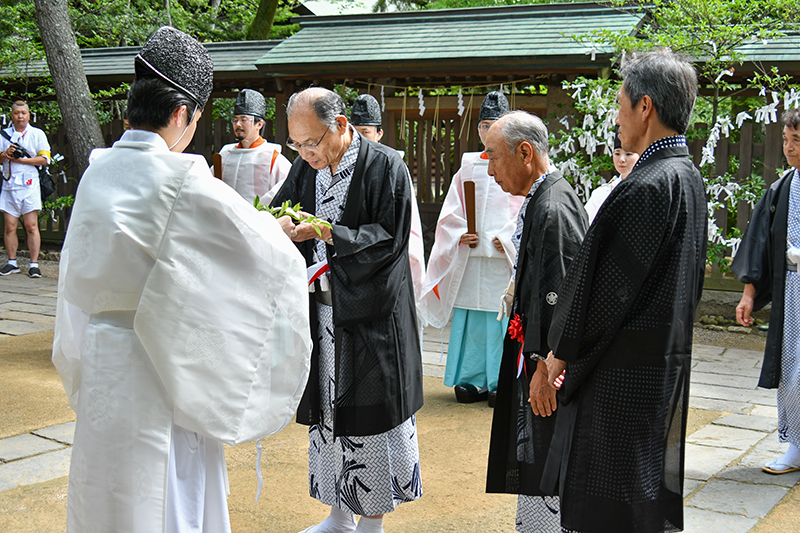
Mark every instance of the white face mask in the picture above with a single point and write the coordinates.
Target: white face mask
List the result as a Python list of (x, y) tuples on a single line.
[(191, 117)]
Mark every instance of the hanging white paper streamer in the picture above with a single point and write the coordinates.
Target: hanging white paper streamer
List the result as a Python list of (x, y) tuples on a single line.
[(421, 103), (383, 100), (791, 99), (259, 477), (501, 88), (460, 103)]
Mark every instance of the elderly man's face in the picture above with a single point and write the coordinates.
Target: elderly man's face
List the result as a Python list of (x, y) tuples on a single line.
[(305, 128), (507, 167), (631, 123), (791, 145)]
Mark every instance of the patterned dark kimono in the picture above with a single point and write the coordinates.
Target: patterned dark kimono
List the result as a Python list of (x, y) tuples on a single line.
[(366, 370), (554, 225), (763, 248), (762, 261), (623, 324)]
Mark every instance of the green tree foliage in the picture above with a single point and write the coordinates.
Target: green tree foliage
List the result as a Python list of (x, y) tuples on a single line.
[(711, 32)]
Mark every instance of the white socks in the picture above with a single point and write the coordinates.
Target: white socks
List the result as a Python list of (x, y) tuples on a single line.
[(337, 522), (12, 262), (370, 525), (791, 457)]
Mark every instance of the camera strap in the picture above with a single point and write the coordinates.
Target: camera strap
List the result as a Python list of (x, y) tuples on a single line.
[(5, 134)]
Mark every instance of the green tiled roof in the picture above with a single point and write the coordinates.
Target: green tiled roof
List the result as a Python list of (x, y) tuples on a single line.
[(530, 36), (785, 49), (231, 60)]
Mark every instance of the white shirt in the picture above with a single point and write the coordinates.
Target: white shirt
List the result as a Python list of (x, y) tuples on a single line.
[(35, 142)]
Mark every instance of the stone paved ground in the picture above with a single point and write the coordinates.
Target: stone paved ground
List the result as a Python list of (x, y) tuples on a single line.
[(725, 489)]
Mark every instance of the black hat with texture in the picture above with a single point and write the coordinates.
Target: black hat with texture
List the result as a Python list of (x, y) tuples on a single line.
[(178, 59), (366, 111), (250, 102), (494, 105)]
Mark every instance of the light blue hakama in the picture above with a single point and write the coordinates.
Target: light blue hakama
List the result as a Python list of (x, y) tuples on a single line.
[(475, 349)]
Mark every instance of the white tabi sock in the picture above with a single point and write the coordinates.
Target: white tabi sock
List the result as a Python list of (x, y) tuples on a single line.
[(370, 525), (337, 522), (791, 457)]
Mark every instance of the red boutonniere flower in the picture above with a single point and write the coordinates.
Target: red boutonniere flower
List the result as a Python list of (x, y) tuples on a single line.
[(515, 329), (516, 332)]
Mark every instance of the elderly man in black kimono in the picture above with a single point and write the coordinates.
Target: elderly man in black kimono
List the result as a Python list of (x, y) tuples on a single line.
[(550, 228), (366, 367), (767, 263), (623, 324)]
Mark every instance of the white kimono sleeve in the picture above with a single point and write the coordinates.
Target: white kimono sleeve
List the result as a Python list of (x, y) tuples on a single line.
[(224, 316), (71, 322)]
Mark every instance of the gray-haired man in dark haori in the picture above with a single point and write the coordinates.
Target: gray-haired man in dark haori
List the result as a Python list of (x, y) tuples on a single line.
[(622, 326), (366, 374)]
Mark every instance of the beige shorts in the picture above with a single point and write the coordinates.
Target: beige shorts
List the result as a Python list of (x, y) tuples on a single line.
[(18, 202)]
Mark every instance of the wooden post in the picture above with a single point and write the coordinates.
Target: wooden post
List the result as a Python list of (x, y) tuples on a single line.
[(745, 170), (469, 201), (773, 152), (281, 125)]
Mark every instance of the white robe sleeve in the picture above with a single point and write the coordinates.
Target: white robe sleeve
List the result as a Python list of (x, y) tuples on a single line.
[(224, 316), (71, 322), (447, 260)]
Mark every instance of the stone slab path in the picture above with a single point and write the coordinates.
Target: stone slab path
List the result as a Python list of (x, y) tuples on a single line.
[(725, 489)]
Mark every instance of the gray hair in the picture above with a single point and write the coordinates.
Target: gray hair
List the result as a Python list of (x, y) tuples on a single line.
[(519, 126), (670, 81), (327, 105), (791, 118)]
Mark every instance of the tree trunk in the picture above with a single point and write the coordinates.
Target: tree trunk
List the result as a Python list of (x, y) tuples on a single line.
[(69, 80), (262, 22)]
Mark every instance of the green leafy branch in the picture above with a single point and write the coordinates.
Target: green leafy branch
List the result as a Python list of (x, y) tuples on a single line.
[(294, 211)]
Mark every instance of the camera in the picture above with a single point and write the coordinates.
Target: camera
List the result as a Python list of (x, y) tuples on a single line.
[(19, 151)]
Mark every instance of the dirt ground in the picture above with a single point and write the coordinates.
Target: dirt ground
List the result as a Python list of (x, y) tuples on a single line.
[(454, 440)]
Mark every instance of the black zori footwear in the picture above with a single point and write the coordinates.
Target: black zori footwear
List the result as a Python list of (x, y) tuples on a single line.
[(469, 394)]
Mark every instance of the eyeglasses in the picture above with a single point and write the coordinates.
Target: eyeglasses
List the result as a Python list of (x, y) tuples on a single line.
[(308, 146), (245, 119)]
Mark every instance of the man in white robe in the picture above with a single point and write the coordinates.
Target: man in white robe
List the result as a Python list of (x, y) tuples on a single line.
[(171, 336), (468, 272), (253, 166)]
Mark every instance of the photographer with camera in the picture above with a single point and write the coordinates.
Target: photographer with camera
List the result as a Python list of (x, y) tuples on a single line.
[(20, 196)]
